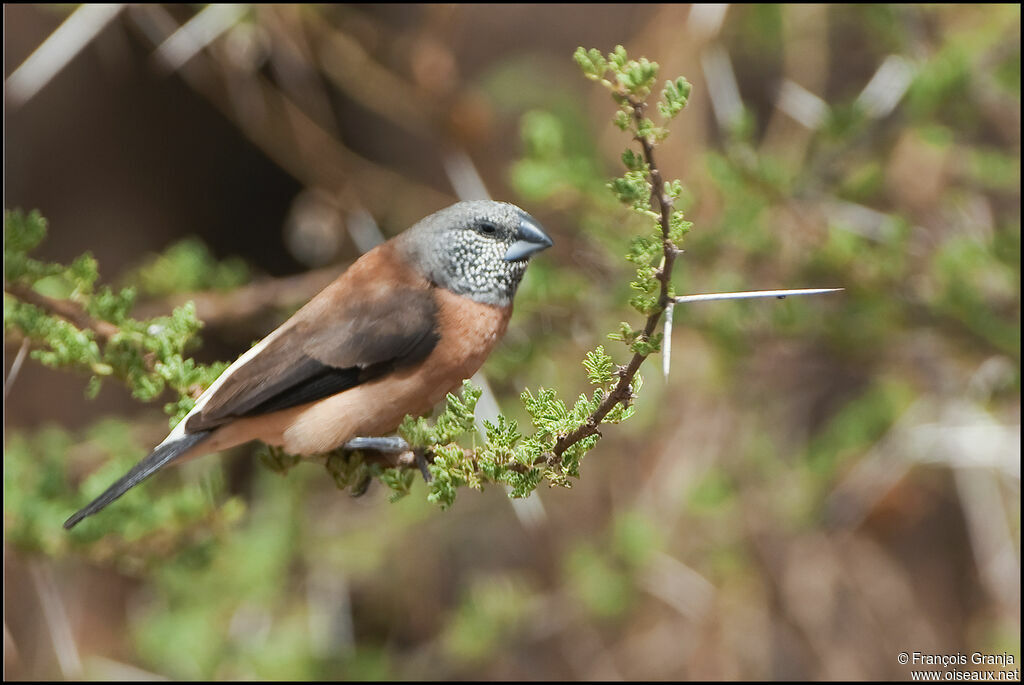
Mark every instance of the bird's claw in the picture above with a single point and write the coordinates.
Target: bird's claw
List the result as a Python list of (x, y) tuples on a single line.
[(421, 462), (392, 444)]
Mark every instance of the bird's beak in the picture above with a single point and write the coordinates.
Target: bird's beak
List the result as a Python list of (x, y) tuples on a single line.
[(530, 238)]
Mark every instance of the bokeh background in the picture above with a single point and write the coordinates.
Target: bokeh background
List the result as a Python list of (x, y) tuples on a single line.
[(820, 483)]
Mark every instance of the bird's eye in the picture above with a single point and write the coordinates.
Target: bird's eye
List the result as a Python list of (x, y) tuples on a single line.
[(487, 228)]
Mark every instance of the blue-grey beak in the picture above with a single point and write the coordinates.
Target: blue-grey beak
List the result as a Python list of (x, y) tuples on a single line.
[(530, 238)]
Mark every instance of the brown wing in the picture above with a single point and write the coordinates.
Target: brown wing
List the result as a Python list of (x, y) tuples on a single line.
[(373, 319)]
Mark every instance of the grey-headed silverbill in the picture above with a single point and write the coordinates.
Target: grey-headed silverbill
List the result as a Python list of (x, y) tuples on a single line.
[(399, 329)]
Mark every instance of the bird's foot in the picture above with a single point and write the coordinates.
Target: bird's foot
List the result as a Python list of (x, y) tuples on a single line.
[(421, 462), (393, 444)]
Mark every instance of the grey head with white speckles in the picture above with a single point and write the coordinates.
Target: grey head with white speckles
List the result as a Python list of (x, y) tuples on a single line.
[(466, 248)]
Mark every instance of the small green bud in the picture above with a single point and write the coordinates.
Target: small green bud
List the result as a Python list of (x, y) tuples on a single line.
[(633, 161), (618, 57)]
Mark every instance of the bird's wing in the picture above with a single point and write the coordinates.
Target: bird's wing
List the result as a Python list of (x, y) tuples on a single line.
[(334, 343)]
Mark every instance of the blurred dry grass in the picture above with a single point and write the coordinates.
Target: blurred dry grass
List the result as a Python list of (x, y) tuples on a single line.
[(817, 488)]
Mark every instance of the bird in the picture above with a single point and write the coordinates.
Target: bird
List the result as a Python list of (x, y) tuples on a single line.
[(397, 331)]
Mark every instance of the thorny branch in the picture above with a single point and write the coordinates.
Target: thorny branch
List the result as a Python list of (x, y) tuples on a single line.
[(75, 314), (212, 307), (622, 393), (65, 309)]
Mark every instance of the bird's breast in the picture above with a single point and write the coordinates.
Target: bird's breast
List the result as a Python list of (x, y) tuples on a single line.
[(469, 331)]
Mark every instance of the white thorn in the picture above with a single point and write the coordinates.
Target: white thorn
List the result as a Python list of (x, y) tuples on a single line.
[(666, 343), (750, 294)]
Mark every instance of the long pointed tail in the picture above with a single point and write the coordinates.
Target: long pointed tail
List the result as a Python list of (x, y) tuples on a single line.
[(156, 460)]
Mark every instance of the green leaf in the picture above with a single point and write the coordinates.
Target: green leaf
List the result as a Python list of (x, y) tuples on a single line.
[(23, 232), (591, 62), (622, 119), (618, 57), (674, 97), (600, 367), (633, 189), (633, 161)]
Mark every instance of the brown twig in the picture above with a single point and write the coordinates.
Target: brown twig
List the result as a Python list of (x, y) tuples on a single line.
[(226, 307), (65, 309), (211, 307), (75, 314), (622, 392)]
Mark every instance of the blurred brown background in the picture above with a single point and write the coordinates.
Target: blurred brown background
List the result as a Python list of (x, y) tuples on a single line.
[(818, 486)]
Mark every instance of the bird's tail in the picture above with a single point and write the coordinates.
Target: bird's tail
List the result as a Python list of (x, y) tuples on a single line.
[(157, 459)]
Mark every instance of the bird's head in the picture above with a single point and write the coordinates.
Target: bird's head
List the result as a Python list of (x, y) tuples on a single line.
[(477, 249)]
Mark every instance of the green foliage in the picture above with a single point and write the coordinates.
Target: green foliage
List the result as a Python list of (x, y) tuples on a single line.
[(22, 234), (207, 595), (604, 576), (938, 87), (633, 80), (674, 97), (861, 423), (932, 294), (635, 538), (567, 180), (711, 494), (46, 304), (994, 169), (553, 166), (506, 456), (351, 471), (974, 289), (186, 266), (40, 490), (147, 355), (633, 189), (634, 77), (488, 616), (600, 367), (598, 583), (456, 420), (66, 345), (279, 461)]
